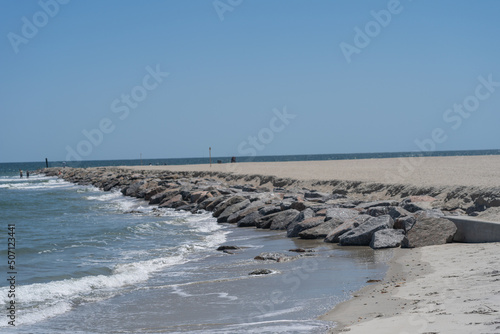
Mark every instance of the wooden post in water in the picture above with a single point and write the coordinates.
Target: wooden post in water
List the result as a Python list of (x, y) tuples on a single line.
[(46, 163), (210, 155)]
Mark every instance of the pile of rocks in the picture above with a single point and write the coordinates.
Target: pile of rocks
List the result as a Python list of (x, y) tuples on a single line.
[(303, 213)]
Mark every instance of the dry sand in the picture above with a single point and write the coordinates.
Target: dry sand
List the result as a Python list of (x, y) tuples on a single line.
[(453, 288), (475, 171)]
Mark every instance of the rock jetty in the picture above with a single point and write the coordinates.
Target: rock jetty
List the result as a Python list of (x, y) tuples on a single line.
[(333, 217)]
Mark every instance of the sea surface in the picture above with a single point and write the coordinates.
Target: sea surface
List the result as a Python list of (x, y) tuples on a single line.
[(88, 261)]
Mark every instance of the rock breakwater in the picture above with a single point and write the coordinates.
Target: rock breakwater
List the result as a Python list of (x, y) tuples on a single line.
[(341, 214)]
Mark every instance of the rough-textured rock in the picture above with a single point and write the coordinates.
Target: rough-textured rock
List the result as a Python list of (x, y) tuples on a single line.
[(238, 215), (260, 272), (249, 220), (404, 223), (232, 209), (273, 256), (333, 236), (434, 213), (320, 231), (213, 202), (293, 231), (307, 213), (396, 212), (362, 235), (227, 247), (367, 205), (173, 202), (227, 203), (376, 211), (429, 231), (388, 238), (340, 214), (277, 221), (269, 209)]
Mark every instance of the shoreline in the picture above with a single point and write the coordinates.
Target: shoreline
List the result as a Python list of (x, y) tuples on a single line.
[(428, 290), (408, 270)]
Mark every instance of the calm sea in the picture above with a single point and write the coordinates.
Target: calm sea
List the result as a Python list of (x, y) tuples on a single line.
[(88, 261)]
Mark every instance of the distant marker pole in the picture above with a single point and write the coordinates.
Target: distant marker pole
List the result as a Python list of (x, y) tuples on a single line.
[(46, 163), (210, 155)]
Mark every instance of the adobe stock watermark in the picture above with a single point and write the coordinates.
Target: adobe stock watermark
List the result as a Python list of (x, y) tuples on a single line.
[(31, 26), (364, 36), (291, 282), (121, 107), (223, 6), (454, 118), (265, 136)]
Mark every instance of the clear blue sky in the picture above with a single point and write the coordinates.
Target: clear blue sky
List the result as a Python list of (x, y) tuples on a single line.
[(67, 69)]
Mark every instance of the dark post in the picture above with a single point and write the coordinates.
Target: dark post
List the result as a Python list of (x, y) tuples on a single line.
[(46, 163), (210, 155)]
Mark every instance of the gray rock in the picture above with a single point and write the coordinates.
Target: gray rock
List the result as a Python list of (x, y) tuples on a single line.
[(293, 231), (434, 213), (227, 247), (299, 206), (269, 209), (362, 235), (345, 227), (307, 213), (249, 220), (223, 217), (219, 209), (273, 256), (429, 231), (240, 214), (396, 212), (388, 238), (404, 223), (340, 214), (277, 221), (257, 272), (213, 202), (133, 188), (320, 231), (376, 211), (368, 205)]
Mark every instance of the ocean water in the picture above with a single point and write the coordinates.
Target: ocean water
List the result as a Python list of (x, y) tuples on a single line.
[(88, 261)]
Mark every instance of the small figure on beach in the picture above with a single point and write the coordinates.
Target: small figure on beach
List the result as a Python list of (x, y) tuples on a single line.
[(233, 159), (21, 173), (27, 174)]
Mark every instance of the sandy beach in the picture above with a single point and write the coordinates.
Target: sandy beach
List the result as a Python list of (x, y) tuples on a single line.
[(471, 171), (435, 289)]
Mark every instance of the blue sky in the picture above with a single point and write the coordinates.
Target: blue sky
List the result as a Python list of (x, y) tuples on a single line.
[(88, 79)]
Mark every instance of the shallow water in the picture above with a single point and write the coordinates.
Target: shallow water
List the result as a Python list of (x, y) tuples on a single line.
[(88, 261)]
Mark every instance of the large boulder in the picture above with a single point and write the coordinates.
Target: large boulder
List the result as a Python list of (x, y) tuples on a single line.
[(249, 220), (277, 221), (238, 215), (306, 214), (388, 238), (304, 225), (404, 223), (362, 235), (333, 236), (367, 205), (223, 217), (428, 232), (320, 231), (219, 209), (340, 215)]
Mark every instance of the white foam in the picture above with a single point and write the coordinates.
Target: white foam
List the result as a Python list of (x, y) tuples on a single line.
[(33, 184)]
